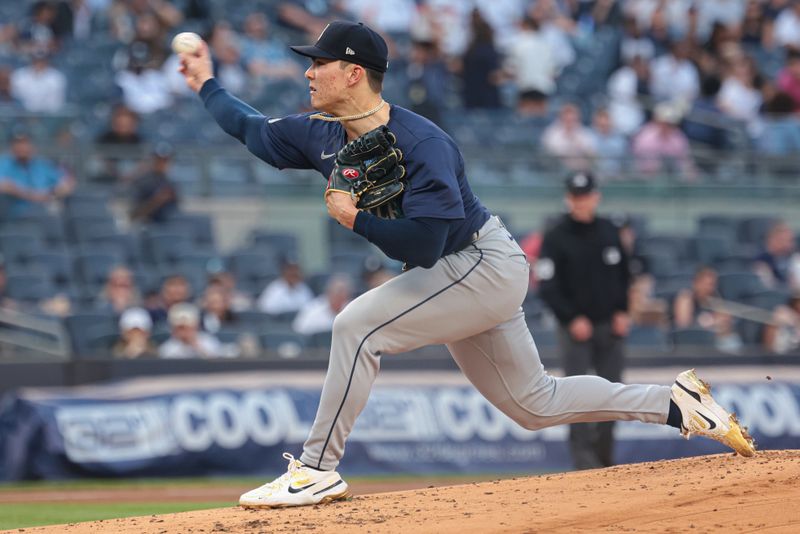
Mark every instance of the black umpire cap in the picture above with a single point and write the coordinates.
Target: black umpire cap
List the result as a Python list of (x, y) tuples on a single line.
[(349, 41), (581, 183)]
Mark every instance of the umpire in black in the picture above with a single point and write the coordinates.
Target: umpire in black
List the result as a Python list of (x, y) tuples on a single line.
[(584, 278)]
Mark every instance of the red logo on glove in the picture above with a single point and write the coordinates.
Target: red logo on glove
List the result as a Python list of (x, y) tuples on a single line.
[(350, 173)]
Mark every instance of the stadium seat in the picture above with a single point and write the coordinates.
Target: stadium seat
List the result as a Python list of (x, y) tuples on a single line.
[(692, 337), (254, 321), (253, 270), (283, 243), (30, 287), (317, 282), (767, 300), (723, 226), (163, 248), (92, 268), (56, 265), (82, 228), (674, 246), (199, 227), (49, 227), (647, 336), (348, 262), (286, 345), (706, 249), (87, 204), (86, 329), (19, 247), (739, 286), (752, 230), (320, 340)]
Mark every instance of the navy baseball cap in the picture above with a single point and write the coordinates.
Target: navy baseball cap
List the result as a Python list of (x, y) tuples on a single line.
[(349, 41), (581, 183)]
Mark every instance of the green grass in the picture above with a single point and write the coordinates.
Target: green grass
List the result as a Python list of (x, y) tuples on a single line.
[(19, 515), (29, 515)]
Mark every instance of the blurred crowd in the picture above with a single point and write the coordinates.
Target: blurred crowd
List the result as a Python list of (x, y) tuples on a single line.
[(676, 74), (634, 85)]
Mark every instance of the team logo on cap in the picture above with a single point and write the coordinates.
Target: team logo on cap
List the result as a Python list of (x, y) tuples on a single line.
[(580, 180), (349, 51)]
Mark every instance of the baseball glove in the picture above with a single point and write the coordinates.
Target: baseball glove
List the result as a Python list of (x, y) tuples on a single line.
[(369, 170)]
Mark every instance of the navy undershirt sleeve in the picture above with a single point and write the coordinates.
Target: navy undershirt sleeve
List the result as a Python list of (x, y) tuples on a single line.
[(418, 242), (235, 117)]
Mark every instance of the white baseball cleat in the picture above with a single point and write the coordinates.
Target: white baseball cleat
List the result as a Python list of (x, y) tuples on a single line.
[(701, 415), (299, 486)]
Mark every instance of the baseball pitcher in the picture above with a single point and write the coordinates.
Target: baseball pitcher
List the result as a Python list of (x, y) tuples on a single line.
[(399, 181)]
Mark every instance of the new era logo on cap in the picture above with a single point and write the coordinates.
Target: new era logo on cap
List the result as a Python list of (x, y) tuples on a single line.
[(349, 41)]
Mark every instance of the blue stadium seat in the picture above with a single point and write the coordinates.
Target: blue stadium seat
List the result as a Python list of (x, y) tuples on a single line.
[(30, 287), (92, 268), (86, 331), (253, 270), (283, 243), (320, 340), (199, 227), (752, 230), (739, 286), (706, 249), (163, 248), (19, 247), (692, 337), (647, 336), (57, 265), (286, 345)]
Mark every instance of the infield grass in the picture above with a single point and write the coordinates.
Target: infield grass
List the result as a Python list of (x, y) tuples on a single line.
[(18, 515), (14, 515)]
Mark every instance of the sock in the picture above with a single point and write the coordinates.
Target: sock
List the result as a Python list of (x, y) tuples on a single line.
[(674, 418)]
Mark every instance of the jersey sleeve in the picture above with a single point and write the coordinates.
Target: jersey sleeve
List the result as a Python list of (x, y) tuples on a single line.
[(432, 168), (278, 141)]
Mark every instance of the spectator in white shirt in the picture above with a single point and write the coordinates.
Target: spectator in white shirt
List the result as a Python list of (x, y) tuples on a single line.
[(392, 16), (530, 60), (673, 76), (612, 147), (739, 97), (569, 140), (317, 315), (144, 89), (186, 340), (626, 87), (39, 87), (286, 294), (787, 26)]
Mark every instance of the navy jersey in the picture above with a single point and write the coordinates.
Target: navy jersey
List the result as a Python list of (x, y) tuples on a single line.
[(437, 186)]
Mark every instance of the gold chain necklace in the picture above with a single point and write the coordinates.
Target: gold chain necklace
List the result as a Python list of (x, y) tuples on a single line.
[(331, 118)]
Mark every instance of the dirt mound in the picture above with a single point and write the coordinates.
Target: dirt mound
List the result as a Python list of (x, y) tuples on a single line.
[(710, 493)]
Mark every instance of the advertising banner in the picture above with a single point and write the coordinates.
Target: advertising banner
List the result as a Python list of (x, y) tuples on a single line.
[(242, 430)]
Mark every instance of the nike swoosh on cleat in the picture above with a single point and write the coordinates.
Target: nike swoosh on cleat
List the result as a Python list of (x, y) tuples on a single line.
[(298, 490), (694, 394), (329, 487), (711, 424), (326, 156)]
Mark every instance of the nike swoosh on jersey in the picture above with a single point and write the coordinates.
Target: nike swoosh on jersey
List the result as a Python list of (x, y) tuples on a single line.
[(270, 121), (292, 489), (326, 156)]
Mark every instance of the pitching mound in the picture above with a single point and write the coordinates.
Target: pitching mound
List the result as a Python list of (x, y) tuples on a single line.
[(711, 493)]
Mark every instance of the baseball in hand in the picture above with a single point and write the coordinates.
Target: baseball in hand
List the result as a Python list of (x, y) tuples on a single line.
[(186, 43)]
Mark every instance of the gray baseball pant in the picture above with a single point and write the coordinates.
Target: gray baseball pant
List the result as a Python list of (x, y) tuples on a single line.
[(470, 301)]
